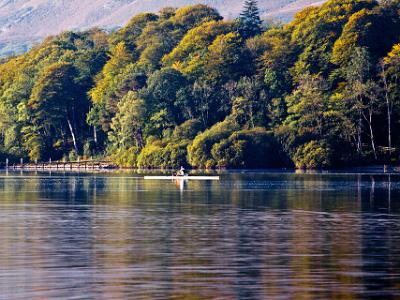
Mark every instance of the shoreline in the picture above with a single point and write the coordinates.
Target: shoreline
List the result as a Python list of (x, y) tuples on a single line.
[(110, 167)]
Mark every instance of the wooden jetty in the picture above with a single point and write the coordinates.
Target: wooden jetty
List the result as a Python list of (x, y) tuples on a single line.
[(59, 165)]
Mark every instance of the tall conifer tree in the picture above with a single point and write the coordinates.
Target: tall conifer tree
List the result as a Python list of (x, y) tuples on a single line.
[(249, 22)]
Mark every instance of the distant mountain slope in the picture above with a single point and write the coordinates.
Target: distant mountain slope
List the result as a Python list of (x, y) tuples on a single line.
[(23, 22)]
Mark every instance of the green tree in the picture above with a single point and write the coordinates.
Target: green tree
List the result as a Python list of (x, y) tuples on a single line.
[(374, 29), (131, 32), (255, 148), (193, 15), (306, 107), (390, 79), (313, 155), (103, 95), (162, 98), (53, 104), (249, 107), (199, 151), (313, 116), (226, 59), (185, 87), (128, 124), (361, 92), (188, 56), (249, 22), (315, 30)]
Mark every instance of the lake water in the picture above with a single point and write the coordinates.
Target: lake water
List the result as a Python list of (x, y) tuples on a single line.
[(253, 235)]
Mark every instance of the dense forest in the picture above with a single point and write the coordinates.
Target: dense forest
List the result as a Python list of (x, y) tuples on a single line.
[(185, 87)]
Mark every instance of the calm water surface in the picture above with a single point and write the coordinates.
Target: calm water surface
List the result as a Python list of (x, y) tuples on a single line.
[(253, 235)]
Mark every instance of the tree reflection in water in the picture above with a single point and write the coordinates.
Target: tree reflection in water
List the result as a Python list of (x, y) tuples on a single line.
[(253, 235)]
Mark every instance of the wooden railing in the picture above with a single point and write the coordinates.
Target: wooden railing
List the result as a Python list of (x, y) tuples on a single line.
[(59, 165)]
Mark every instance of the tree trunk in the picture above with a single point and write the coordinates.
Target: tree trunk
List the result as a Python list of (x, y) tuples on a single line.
[(95, 134), (139, 139), (359, 133), (251, 116), (389, 117), (388, 109), (372, 134), (205, 113), (71, 129)]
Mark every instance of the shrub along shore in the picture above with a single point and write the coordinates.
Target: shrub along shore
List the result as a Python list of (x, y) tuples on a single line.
[(185, 87)]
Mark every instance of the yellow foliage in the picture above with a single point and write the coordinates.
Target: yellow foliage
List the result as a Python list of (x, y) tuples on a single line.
[(344, 46), (120, 58), (195, 41), (393, 56)]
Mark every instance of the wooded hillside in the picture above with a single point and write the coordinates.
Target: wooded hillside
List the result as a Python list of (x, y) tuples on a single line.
[(185, 87)]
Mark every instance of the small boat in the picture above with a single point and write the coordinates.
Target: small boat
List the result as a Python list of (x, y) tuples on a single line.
[(186, 177)]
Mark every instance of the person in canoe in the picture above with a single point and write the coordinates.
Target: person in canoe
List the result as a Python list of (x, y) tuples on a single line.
[(181, 172)]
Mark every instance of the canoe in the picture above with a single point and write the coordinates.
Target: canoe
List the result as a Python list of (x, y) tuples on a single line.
[(181, 177)]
